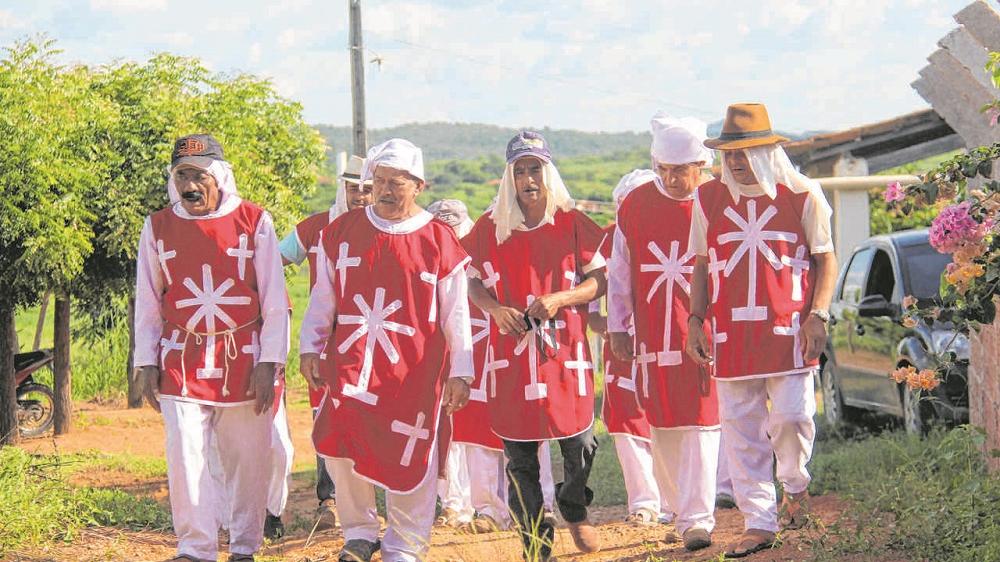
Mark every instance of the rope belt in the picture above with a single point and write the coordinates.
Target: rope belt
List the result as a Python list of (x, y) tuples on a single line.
[(229, 340)]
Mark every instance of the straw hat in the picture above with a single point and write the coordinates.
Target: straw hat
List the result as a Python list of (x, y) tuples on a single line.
[(352, 172), (746, 125)]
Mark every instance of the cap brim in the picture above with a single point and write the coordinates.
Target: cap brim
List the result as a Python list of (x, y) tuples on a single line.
[(718, 144), (354, 179), (543, 158), (202, 162)]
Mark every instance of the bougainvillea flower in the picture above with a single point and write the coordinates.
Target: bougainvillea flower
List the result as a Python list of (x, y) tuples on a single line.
[(894, 192)]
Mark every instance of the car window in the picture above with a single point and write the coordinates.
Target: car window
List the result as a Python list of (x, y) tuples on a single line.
[(881, 279), (923, 265), (854, 278)]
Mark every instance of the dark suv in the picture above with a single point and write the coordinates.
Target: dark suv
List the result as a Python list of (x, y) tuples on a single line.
[(867, 339)]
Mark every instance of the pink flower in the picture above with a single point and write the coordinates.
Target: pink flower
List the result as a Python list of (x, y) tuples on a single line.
[(894, 192), (994, 114), (955, 228), (909, 301)]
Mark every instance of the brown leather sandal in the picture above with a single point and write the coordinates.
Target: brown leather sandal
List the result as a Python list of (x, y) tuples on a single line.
[(752, 540), (794, 510)]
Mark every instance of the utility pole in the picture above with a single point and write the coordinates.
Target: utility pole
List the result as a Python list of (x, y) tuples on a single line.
[(360, 133)]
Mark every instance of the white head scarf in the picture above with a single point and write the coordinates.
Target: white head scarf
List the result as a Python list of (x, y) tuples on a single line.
[(630, 181), (678, 141), (507, 213), (223, 174), (399, 154), (771, 166)]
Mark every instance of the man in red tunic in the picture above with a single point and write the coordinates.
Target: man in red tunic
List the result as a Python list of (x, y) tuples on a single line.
[(535, 260), (211, 325), (387, 337), (303, 244), (649, 277), (764, 274), (622, 415)]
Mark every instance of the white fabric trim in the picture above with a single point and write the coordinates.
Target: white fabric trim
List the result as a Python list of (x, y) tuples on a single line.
[(766, 375), (163, 397), (589, 426), (405, 226)]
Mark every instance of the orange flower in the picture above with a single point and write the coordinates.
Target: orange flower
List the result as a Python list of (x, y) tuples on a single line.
[(902, 374), (909, 301), (926, 379), (909, 322)]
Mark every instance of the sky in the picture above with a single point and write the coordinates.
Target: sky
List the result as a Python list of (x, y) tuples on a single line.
[(593, 65)]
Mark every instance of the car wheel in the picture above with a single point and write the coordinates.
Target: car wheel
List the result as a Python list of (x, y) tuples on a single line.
[(917, 412), (834, 409)]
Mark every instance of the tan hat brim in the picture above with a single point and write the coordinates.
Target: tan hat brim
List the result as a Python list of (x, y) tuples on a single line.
[(718, 144), (354, 179)]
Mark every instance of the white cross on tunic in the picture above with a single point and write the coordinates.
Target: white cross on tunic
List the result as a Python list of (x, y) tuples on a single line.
[(432, 280), (628, 383), (413, 433), (492, 276), (793, 331), (798, 264), (490, 368), (753, 239), (242, 254), (253, 349), (374, 327), (672, 271), (581, 366), (162, 256), (715, 266), (166, 346), (209, 299), (643, 359), (609, 377), (480, 329), (535, 390), (345, 260)]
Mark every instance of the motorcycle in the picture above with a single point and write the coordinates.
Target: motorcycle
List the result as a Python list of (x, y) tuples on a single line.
[(35, 400)]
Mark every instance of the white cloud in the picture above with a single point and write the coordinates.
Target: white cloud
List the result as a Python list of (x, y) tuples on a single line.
[(177, 39), (253, 55), (9, 21), (128, 5)]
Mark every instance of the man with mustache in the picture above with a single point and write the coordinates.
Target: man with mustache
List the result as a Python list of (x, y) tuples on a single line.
[(535, 260), (764, 276), (387, 337), (211, 329)]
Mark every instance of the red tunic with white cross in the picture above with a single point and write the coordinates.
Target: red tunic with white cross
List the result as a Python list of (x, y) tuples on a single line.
[(673, 390), (386, 360), (210, 306), (546, 388), (471, 423), (621, 412), (308, 232), (761, 281)]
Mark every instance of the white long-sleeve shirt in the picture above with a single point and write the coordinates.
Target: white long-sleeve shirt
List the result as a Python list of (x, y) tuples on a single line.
[(452, 297), (150, 287)]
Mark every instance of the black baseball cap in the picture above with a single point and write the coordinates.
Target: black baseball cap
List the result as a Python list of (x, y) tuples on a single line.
[(196, 150)]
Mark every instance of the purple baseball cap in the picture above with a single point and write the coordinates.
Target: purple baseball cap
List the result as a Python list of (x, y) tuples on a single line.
[(528, 143)]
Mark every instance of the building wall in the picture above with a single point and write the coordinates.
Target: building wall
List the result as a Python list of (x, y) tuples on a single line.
[(984, 388)]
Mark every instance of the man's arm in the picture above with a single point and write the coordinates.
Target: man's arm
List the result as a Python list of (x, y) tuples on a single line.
[(509, 320), (317, 323), (452, 292), (620, 303), (697, 344), (148, 317), (594, 285), (814, 329), (273, 298)]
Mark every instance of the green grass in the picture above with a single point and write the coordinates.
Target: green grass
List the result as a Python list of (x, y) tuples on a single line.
[(38, 506)]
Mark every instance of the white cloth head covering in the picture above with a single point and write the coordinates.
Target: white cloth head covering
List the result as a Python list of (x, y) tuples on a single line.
[(218, 169), (678, 141), (771, 165), (399, 154), (630, 181), (355, 165), (507, 213)]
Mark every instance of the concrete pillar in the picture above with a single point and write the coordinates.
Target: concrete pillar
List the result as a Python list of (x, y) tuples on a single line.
[(851, 221)]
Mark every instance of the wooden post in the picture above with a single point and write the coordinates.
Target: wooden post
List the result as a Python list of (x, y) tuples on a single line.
[(8, 387), (63, 408), (360, 133), (40, 325), (134, 395)]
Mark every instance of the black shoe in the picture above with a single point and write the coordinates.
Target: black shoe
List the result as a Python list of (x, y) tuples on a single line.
[(274, 529), (724, 501), (358, 550)]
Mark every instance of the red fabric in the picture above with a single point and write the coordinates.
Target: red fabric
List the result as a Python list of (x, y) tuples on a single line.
[(770, 282), (308, 232), (533, 263), (207, 260), (676, 392), (472, 424), (371, 422), (620, 411)]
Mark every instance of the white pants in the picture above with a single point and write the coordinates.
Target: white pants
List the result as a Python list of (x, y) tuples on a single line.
[(723, 483), (545, 477), (753, 435), (410, 516), (454, 488), (488, 483), (636, 458), (282, 455), (686, 461), (196, 496)]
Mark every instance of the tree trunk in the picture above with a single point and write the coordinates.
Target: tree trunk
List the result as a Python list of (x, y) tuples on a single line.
[(8, 387), (134, 392), (61, 367), (40, 326)]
